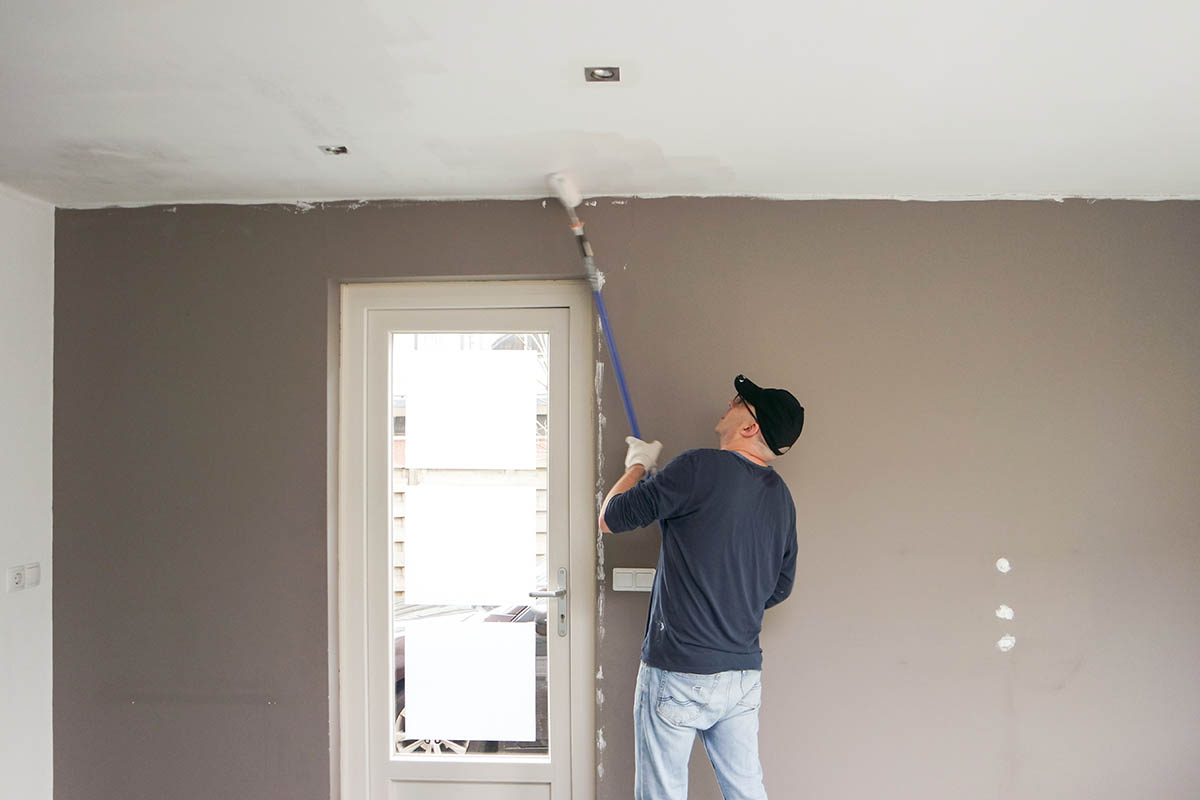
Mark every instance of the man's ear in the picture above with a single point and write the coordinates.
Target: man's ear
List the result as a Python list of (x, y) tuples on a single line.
[(750, 431)]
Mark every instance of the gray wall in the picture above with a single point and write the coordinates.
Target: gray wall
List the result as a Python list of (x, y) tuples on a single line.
[(981, 380)]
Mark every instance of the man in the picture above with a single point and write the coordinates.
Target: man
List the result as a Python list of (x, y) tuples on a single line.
[(728, 552)]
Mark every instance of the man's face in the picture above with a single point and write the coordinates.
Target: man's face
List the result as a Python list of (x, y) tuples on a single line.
[(738, 415)]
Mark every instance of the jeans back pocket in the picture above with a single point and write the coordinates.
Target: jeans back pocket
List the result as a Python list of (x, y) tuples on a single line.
[(682, 696), (751, 689)]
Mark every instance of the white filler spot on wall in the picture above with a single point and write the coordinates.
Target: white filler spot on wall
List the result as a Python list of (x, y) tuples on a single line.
[(600, 421), (1006, 643), (1004, 612), (1003, 565)]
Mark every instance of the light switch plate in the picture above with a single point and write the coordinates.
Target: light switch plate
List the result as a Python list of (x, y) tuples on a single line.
[(626, 579), (33, 574)]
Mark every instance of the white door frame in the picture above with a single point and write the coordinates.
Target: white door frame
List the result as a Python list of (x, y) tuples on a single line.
[(357, 301)]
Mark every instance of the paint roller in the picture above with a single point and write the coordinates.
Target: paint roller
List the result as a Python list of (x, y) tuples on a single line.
[(569, 196)]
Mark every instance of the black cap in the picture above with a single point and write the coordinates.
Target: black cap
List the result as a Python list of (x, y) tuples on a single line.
[(780, 415)]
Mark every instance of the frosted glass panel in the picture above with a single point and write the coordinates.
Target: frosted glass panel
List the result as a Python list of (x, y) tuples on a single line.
[(469, 545), (470, 409), (455, 693)]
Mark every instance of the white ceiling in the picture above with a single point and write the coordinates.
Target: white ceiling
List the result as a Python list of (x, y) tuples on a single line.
[(167, 101)]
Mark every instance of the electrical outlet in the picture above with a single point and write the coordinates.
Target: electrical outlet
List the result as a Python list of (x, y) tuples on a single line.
[(16, 579)]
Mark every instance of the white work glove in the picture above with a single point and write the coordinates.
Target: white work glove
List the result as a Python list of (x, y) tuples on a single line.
[(644, 453)]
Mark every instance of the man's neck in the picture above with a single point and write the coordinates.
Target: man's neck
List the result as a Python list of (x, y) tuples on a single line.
[(742, 452)]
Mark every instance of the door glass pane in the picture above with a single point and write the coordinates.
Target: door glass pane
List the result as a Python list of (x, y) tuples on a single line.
[(470, 415)]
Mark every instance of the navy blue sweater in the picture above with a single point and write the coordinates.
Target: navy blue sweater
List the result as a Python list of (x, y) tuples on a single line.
[(728, 552)]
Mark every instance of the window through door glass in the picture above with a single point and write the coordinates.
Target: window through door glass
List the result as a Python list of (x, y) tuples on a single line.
[(469, 485)]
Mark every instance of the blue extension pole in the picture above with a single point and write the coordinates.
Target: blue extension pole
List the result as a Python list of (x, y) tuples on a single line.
[(616, 361), (569, 196)]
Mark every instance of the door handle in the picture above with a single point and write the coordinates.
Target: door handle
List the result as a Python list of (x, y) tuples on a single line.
[(559, 594)]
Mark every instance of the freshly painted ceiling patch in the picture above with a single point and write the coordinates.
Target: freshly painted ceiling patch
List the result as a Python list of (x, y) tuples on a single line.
[(334, 149), (602, 74)]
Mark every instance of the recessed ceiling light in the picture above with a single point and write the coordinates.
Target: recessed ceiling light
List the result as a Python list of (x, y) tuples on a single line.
[(602, 74), (334, 149)]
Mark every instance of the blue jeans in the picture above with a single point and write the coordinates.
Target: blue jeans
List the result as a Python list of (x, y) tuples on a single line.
[(670, 708)]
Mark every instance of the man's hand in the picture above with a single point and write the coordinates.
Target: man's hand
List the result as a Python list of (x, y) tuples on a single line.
[(641, 458), (644, 453)]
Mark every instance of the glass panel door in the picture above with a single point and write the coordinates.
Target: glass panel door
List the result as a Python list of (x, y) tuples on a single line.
[(465, 506)]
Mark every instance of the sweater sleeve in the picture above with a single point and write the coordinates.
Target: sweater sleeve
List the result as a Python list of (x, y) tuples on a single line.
[(666, 494), (787, 571)]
